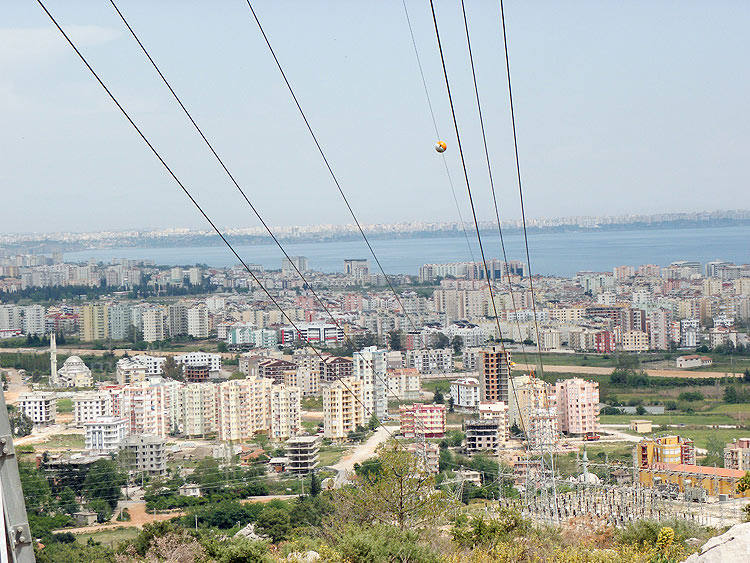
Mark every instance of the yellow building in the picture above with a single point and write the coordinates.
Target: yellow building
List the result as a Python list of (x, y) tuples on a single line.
[(343, 408), (665, 449), (714, 480), (95, 322)]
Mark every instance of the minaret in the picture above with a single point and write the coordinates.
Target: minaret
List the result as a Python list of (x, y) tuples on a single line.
[(52, 360)]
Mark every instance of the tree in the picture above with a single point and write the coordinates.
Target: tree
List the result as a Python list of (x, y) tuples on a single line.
[(222, 347), (20, 424), (172, 370), (440, 340), (438, 397), (458, 344), (374, 422), (746, 376), (451, 404), (67, 501), (731, 395), (102, 508), (395, 340), (275, 523), (402, 493), (34, 487), (315, 487), (744, 483), (640, 410), (104, 482)]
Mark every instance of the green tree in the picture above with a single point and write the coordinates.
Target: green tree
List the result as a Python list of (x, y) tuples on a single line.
[(640, 410), (20, 424), (104, 482), (744, 483), (438, 397), (35, 487), (403, 492), (315, 487), (102, 508), (172, 370), (374, 422), (458, 344), (746, 376), (275, 523), (67, 501), (395, 340), (440, 340), (222, 347), (731, 395)]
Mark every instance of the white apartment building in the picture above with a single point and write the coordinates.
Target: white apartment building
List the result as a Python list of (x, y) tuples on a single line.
[(33, 320), (91, 405), (198, 325), (41, 408), (198, 415), (154, 324), (342, 408), (465, 393), (404, 383), (429, 361), (197, 359), (549, 339), (285, 412), (10, 318), (105, 434), (154, 364), (370, 367)]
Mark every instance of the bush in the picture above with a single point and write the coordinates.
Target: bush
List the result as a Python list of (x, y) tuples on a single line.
[(691, 396), (383, 544)]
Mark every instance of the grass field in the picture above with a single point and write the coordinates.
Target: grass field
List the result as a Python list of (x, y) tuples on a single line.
[(64, 441), (109, 537), (329, 455), (697, 419), (701, 436), (64, 405)]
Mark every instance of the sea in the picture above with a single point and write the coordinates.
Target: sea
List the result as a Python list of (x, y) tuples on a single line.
[(560, 253)]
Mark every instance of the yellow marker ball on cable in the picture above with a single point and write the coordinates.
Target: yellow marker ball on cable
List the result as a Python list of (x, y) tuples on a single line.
[(440, 146)]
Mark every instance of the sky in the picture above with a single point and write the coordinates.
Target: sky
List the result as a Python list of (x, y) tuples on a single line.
[(621, 107)]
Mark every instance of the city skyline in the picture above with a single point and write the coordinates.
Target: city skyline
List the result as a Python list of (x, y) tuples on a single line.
[(583, 151)]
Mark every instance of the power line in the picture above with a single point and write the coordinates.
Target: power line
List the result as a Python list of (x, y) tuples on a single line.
[(471, 200), (435, 126), (236, 183), (492, 182), (189, 195), (520, 187)]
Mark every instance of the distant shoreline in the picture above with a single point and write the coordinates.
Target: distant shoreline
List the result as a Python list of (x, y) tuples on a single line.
[(206, 240)]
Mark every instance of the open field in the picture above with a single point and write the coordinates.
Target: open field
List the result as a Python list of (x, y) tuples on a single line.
[(109, 536), (696, 419), (330, 455), (64, 442)]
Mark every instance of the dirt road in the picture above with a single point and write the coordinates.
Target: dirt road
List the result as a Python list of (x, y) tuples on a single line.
[(15, 386), (589, 370)]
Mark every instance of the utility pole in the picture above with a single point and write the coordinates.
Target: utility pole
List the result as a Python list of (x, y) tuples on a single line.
[(12, 505)]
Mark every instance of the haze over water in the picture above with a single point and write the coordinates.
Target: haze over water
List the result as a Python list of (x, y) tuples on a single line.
[(552, 253)]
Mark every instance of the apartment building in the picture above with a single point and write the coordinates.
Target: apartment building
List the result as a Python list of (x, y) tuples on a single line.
[(497, 411), (40, 407), (494, 374), (342, 408), (483, 435), (665, 449), (429, 360), (196, 359), (284, 412), (635, 341), (130, 371), (302, 452), (105, 434), (145, 454), (145, 405), (94, 322), (91, 405), (242, 408), (528, 393), (419, 419), (154, 325), (465, 394), (737, 455), (577, 406), (369, 366), (403, 383), (198, 416), (198, 322)]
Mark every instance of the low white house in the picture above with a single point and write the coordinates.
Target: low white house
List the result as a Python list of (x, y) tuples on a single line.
[(693, 361)]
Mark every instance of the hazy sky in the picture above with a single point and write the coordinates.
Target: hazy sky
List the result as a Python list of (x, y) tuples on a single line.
[(637, 106)]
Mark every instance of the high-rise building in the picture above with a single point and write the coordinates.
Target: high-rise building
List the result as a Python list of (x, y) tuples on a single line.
[(198, 322), (287, 265), (494, 374), (95, 322), (91, 405), (198, 404), (343, 408), (119, 321), (370, 367), (177, 318), (422, 420), (577, 406), (33, 320), (154, 325)]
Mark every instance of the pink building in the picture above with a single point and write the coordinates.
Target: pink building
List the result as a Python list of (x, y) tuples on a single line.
[(577, 406), (418, 419)]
